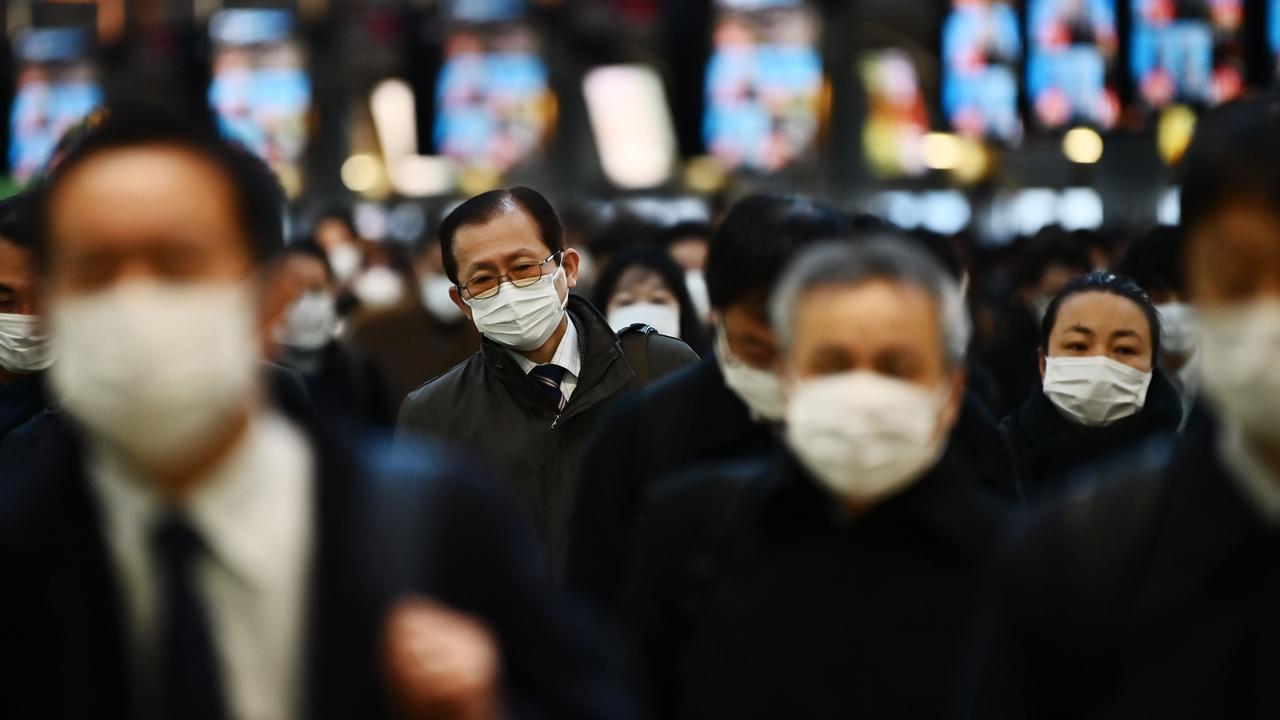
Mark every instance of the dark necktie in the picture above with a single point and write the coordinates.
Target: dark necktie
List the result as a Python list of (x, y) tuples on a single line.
[(548, 378), (191, 688)]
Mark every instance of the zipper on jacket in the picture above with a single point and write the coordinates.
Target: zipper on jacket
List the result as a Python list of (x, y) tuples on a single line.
[(555, 423)]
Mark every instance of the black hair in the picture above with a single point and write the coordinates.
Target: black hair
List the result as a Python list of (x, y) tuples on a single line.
[(940, 248), (486, 206), (623, 231), (1050, 247), (757, 240), (136, 122), (689, 229), (1104, 282), (311, 248), (655, 260), (1154, 261), (15, 221), (1233, 156)]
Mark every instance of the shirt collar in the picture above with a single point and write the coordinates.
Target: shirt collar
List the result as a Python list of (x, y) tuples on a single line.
[(568, 354), (1256, 481), (237, 509)]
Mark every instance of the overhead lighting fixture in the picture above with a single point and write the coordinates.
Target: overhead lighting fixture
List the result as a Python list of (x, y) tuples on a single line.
[(941, 151), (1082, 146), (360, 173)]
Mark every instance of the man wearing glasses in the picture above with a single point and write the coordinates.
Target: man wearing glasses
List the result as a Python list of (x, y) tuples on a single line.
[(530, 400)]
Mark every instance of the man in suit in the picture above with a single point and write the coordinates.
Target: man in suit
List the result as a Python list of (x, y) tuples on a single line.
[(193, 550), (549, 363)]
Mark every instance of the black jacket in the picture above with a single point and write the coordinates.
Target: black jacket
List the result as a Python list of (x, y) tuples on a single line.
[(488, 407), (386, 524), (687, 419), (343, 386), (20, 401), (1049, 449), (752, 596), (1152, 594)]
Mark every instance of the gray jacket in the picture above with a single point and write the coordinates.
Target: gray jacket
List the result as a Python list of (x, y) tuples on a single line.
[(488, 407)]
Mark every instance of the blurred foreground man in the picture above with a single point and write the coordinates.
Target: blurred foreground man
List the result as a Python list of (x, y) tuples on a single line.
[(24, 347), (726, 407), (1155, 593), (196, 552), (835, 579), (549, 362)]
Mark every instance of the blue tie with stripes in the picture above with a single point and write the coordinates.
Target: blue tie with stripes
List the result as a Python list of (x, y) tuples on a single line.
[(548, 378)]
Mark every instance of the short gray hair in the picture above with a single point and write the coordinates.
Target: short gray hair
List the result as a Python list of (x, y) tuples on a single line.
[(880, 257)]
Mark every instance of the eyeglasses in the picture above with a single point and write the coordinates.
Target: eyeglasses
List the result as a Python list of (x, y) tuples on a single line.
[(522, 275)]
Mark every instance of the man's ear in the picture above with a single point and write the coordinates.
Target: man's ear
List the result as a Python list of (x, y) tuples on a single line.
[(456, 296), (955, 400), (277, 293), (571, 260), (1040, 356)]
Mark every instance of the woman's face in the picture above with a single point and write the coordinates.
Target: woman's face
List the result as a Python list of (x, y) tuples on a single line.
[(641, 285), (1101, 323)]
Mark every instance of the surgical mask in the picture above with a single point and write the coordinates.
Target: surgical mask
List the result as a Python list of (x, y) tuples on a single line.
[(521, 318), (1095, 391), (23, 348), (156, 371), (310, 322), (345, 259), (1178, 328), (696, 282), (437, 300), (1240, 374), (863, 435), (761, 390), (378, 287), (663, 318)]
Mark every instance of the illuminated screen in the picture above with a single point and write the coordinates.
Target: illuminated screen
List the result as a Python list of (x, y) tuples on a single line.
[(261, 91), (764, 85), (1187, 51), (1070, 67), (1273, 31), (494, 103), (56, 88), (981, 47), (897, 118)]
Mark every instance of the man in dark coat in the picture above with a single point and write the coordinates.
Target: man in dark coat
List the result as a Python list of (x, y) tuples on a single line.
[(695, 416), (1153, 593), (190, 548), (549, 363), (834, 579)]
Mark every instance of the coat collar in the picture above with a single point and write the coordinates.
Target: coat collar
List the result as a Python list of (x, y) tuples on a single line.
[(605, 370)]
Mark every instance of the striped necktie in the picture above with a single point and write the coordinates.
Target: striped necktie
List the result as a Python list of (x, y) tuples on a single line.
[(548, 378)]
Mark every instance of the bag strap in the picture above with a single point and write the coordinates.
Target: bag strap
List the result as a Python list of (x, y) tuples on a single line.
[(634, 340)]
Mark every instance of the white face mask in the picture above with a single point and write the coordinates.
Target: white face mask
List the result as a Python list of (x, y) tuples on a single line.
[(1179, 331), (437, 300), (23, 348), (1095, 391), (156, 371), (663, 318), (521, 318), (345, 259), (863, 435), (310, 322), (696, 282), (1240, 375), (378, 287), (761, 390)]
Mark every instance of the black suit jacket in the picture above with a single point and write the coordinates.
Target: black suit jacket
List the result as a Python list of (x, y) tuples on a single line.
[(1153, 592), (386, 524)]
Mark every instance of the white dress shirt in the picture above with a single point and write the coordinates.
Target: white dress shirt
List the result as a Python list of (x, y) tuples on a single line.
[(568, 355), (1257, 482), (254, 513)]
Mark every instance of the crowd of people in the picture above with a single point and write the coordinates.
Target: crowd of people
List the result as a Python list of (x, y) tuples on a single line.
[(791, 463)]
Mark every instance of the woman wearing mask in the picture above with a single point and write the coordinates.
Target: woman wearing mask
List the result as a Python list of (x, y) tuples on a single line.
[(644, 285), (1101, 392)]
